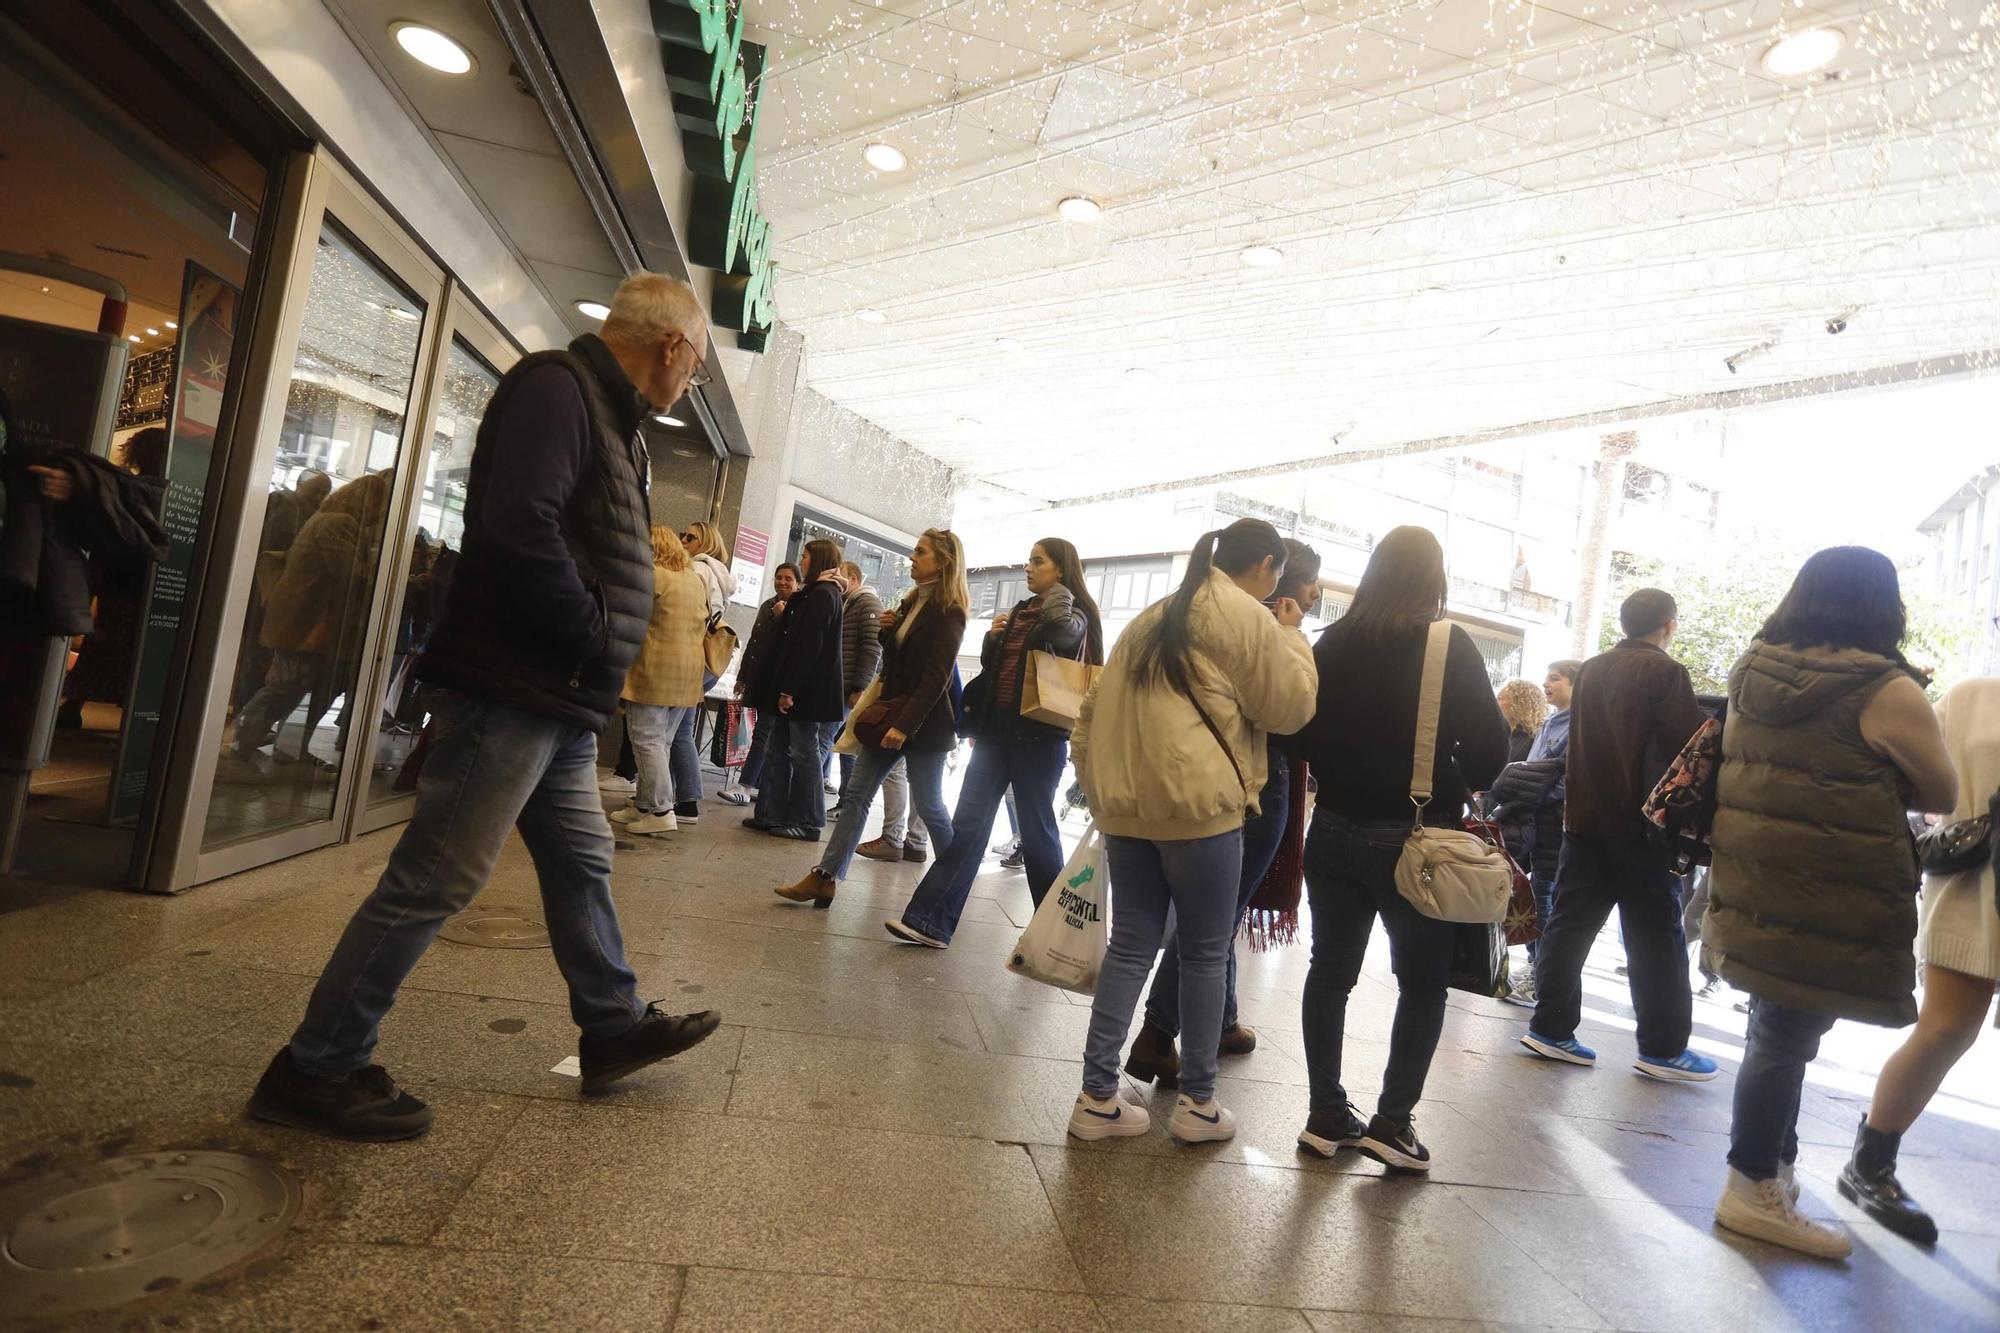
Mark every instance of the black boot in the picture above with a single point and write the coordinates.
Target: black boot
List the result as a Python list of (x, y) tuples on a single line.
[(1869, 1180), (1154, 1057)]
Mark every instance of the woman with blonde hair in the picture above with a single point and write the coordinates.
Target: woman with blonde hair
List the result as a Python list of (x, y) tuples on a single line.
[(1525, 707), (911, 722), (708, 557), (664, 685)]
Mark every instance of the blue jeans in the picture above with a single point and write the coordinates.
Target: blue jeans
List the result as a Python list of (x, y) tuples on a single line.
[(753, 762), (790, 795), (1594, 876), (1033, 767), (1194, 882), (490, 768), (1545, 902), (652, 729), (1351, 880), (1764, 1119), (1261, 836), (686, 759), (871, 769)]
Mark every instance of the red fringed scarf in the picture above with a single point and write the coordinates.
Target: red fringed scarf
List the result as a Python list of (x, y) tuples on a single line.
[(1273, 919)]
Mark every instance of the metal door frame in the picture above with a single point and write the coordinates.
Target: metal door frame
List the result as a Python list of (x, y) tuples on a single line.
[(328, 193), (463, 321)]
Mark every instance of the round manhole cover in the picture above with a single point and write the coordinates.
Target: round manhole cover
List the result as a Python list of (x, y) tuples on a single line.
[(96, 1236), (495, 930)]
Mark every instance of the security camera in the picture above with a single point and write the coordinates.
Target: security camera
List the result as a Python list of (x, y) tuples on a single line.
[(1837, 325)]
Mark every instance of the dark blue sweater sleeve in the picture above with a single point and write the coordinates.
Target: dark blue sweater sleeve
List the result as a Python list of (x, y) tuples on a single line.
[(539, 447)]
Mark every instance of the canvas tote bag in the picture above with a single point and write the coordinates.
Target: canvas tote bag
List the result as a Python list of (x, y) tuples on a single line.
[(1447, 874)]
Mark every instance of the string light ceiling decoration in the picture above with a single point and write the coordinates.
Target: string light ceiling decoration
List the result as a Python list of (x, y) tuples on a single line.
[(1489, 213)]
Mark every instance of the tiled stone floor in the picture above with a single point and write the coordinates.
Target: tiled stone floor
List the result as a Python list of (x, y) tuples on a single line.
[(874, 1139)]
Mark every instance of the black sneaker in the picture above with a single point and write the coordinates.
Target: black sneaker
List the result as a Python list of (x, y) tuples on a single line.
[(365, 1105), (1326, 1133), (1016, 860), (796, 832), (656, 1036), (752, 822), (1394, 1144), (687, 812)]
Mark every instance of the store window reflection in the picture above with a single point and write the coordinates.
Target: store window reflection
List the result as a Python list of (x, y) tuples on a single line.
[(885, 567), (331, 490), (468, 386)]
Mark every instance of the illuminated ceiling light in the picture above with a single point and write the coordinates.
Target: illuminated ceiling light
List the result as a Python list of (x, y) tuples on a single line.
[(1008, 344), (1080, 208), (152, 333), (1140, 375), (1261, 256), (430, 47), (1804, 52), (593, 309), (870, 315), (884, 157), (668, 419), (132, 337), (170, 324)]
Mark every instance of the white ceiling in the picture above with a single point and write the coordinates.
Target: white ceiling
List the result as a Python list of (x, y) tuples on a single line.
[(1492, 212)]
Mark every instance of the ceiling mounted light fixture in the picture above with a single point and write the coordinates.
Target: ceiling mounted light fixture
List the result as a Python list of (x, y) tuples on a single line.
[(870, 315), (152, 333), (593, 309), (1804, 52), (172, 325), (132, 337), (1140, 375), (1080, 208), (1261, 256), (428, 46), (668, 419), (1007, 344), (884, 157)]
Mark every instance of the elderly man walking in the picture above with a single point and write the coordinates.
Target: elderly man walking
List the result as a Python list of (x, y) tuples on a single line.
[(545, 616)]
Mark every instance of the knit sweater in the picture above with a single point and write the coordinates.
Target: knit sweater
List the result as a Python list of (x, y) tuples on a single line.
[(1959, 924)]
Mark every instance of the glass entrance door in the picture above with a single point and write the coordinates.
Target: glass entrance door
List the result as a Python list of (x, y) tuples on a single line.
[(432, 532)]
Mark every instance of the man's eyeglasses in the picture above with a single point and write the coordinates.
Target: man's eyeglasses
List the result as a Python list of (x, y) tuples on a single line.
[(701, 375)]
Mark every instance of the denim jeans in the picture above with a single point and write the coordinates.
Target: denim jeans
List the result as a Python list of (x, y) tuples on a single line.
[(1033, 767), (1594, 876), (790, 795), (871, 768), (1194, 882), (1545, 901), (1261, 836), (686, 759), (1764, 1120), (897, 826), (491, 768), (1350, 880), (652, 728)]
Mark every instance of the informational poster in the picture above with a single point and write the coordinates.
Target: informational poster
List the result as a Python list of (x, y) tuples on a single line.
[(753, 548), (201, 372)]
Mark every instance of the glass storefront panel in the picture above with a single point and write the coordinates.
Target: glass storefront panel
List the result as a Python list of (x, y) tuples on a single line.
[(884, 567), (320, 550), (463, 393)]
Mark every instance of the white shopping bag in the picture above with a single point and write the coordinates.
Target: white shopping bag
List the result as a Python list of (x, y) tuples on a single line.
[(1064, 944)]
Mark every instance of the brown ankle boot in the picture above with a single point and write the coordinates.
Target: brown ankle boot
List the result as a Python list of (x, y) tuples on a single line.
[(1153, 1057), (1237, 1040), (816, 888)]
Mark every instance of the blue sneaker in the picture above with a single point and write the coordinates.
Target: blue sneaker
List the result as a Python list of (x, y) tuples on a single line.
[(1569, 1050), (1687, 1067)]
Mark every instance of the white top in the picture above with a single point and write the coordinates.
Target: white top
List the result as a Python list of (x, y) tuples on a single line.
[(718, 579), (1960, 927)]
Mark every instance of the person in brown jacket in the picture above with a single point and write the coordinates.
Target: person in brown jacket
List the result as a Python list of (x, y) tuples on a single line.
[(665, 684), (1631, 711)]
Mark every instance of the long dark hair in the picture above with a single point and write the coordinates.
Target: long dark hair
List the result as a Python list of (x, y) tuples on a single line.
[(1402, 589), (1241, 546), (1843, 597), (819, 556), (1069, 573)]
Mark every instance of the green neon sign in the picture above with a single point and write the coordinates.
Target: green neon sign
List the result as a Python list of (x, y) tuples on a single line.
[(715, 77)]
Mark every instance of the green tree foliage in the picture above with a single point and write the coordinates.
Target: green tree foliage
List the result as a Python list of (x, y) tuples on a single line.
[(1724, 600)]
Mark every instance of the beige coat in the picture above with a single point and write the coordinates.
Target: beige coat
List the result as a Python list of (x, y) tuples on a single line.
[(668, 672), (1148, 763)]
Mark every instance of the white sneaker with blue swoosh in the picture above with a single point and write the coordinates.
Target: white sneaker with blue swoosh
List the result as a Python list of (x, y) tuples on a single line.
[(1201, 1122), (1106, 1118)]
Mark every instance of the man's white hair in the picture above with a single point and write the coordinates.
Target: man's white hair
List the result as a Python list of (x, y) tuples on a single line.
[(649, 308)]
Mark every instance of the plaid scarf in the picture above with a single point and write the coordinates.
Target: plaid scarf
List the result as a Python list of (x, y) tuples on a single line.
[(1273, 919)]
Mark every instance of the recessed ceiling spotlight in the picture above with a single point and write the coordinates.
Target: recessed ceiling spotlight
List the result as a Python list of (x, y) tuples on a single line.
[(1080, 208), (1804, 52), (884, 157), (1140, 375), (170, 324), (870, 315), (132, 337), (593, 309), (152, 333), (1007, 344), (430, 47), (1261, 256), (668, 419)]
